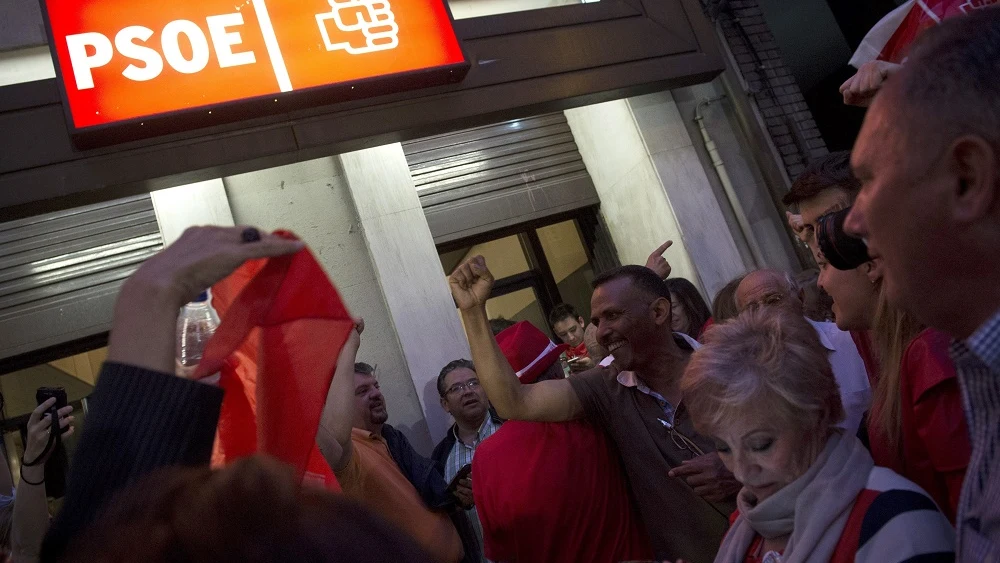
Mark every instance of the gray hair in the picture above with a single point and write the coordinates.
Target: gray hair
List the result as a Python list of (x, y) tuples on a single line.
[(953, 75), (768, 361), (792, 284), (452, 366)]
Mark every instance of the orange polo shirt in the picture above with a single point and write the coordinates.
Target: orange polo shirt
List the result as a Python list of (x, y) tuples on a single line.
[(373, 478)]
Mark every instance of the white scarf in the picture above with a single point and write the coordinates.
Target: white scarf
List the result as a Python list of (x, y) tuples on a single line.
[(813, 509)]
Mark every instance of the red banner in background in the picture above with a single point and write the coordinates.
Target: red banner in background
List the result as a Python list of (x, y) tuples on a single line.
[(283, 326)]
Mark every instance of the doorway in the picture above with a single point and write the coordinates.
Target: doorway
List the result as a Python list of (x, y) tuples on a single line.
[(537, 266)]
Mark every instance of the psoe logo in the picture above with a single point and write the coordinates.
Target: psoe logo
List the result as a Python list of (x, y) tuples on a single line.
[(373, 18)]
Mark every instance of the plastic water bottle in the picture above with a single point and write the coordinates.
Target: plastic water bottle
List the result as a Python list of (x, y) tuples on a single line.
[(195, 326)]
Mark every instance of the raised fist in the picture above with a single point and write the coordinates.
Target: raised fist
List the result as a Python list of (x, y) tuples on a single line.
[(471, 284), (860, 89)]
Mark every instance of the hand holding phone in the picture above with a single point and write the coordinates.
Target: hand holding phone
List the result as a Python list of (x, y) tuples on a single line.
[(461, 487), (45, 393), (463, 473)]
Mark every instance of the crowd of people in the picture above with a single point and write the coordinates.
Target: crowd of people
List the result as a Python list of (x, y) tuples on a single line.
[(662, 428)]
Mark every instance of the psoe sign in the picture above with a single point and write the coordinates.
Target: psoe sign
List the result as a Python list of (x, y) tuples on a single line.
[(139, 61)]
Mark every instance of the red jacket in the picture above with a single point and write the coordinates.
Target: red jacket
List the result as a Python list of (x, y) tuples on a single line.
[(935, 440), (863, 340)]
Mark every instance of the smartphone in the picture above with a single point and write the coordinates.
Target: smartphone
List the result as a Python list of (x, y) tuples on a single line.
[(45, 393), (463, 473)]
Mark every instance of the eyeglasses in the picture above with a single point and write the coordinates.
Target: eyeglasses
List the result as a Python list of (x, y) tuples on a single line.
[(681, 442), (771, 299), (457, 388)]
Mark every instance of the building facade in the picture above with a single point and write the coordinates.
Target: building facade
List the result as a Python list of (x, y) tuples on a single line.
[(645, 121)]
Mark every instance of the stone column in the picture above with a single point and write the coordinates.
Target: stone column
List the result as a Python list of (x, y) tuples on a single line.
[(408, 271)]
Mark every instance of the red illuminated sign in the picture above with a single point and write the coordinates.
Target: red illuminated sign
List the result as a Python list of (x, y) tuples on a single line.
[(125, 61)]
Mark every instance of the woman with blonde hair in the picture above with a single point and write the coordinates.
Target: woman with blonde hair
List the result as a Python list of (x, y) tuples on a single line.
[(916, 425), (763, 388)]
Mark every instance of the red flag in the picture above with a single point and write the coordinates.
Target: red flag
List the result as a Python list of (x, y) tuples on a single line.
[(890, 39), (283, 326)]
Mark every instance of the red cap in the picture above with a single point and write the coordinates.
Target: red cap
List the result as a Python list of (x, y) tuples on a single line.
[(528, 350)]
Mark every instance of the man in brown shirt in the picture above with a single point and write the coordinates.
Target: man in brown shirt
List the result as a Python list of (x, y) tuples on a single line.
[(685, 495), (351, 438)]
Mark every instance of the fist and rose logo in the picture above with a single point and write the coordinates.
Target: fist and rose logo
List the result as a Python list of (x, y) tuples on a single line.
[(373, 18)]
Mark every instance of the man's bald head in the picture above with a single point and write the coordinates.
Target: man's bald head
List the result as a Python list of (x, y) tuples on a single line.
[(767, 288)]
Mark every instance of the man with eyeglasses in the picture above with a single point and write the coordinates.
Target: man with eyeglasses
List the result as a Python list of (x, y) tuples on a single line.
[(376, 465), (465, 400), (769, 288)]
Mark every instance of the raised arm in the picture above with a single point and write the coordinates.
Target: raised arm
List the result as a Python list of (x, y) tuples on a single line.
[(334, 435), (31, 508), (658, 263), (545, 401)]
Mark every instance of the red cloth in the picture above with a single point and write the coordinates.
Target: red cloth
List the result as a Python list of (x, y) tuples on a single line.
[(863, 340), (283, 326), (708, 324), (578, 352), (555, 492), (935, 440), (890, 39)]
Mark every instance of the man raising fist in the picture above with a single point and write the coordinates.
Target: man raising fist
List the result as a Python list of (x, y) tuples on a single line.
[(685, 514)]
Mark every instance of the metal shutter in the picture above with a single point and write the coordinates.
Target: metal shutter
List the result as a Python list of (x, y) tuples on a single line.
[(60, 273), (491, 177)]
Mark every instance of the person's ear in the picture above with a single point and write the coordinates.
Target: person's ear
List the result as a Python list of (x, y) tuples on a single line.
[(661, 311), (975, 167), (444, 405), (873, 269)]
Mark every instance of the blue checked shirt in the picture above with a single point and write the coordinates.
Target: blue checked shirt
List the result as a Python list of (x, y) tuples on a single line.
[(460, 456), (977, 361)]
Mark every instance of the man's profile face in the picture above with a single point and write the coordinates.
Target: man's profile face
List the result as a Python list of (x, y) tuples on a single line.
[(625, 321), (464, 398), (570, 331), (902, 209), (369, 404)]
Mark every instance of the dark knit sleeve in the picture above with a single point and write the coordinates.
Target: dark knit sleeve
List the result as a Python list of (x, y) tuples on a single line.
[(138, 421)]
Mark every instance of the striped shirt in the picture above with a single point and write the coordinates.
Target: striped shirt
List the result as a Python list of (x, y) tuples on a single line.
[(892, 521), (900, 524), (977, 361), (461, 455)]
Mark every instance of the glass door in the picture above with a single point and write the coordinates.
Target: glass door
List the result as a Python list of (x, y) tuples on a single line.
[(537, 267)]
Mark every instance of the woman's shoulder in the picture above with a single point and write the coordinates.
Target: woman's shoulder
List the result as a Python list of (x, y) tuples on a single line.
[(899, 521), (926, 361)]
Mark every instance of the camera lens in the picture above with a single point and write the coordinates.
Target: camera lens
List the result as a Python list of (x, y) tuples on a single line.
[(841, 250)]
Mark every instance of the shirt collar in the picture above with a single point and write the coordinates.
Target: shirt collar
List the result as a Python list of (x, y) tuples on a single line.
[(487, 421), (822, 330), (630, 379), (985, 342), (366, 434)]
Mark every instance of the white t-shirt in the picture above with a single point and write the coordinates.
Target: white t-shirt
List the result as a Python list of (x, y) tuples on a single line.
[(849, 371)]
